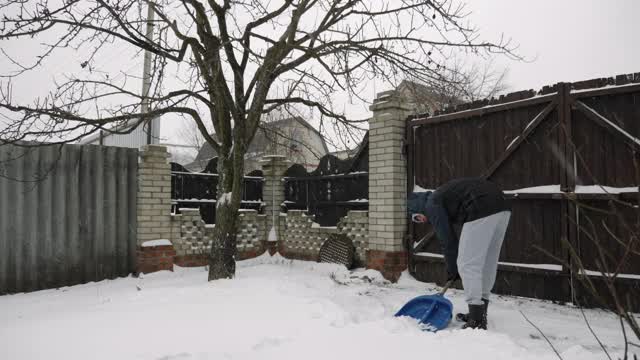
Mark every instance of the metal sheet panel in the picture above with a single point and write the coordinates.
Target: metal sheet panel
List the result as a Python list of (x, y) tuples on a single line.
[(67, 215)]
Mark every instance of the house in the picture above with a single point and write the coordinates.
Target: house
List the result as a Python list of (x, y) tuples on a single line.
[(292, 137), (128, 137)]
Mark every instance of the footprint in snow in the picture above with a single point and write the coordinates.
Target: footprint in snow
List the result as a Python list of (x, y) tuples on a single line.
[(269, 342), (180, 356)]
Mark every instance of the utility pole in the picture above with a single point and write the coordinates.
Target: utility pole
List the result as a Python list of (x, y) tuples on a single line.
[(146, 72)]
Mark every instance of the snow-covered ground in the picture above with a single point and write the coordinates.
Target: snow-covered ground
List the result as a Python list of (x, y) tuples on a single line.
[(279, 309)]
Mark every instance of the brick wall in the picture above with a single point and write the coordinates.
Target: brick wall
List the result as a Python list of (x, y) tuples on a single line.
[(297, 236), (250, 240), (193, 242), (356, 226), (303, 238)]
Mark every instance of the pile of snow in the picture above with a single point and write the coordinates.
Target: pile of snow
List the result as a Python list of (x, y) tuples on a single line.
[(277, 308)]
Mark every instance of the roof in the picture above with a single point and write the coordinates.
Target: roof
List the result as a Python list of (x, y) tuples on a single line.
[(206, 152)]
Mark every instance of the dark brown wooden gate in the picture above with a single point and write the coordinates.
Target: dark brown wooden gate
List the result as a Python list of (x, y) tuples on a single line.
[(564, 155)]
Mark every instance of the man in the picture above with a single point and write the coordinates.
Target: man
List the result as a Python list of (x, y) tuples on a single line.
[(480, 207)]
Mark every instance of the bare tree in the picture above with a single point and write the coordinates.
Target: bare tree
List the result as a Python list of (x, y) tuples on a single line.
[(242, 59), (612, 230), (189, 134), (466, 82)]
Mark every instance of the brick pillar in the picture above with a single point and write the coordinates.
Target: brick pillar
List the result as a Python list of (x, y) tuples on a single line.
[(154, 256), (154, 203), (273, 167), (387, 186)]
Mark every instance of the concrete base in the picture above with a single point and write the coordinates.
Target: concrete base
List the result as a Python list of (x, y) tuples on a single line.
[(390, 264), (154, 258), (191, 260)]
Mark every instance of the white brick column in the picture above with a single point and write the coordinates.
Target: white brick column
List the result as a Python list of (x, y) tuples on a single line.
[(273, 167), (387, 185), (154, 194)]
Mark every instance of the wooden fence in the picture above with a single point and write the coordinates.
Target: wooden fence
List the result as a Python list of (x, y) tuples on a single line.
[(554, 151), (67, 215), (199, 190), (330, 191)]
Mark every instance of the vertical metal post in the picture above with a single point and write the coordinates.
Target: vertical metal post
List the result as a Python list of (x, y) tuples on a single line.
[(146, 72)]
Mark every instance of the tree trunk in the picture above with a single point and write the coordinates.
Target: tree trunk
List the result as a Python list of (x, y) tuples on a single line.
[(222, 263)]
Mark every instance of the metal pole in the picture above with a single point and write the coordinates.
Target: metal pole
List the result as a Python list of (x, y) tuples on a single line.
[(146, 72)]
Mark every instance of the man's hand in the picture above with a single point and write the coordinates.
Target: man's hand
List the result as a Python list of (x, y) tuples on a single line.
[(418, 218), (453, 277)]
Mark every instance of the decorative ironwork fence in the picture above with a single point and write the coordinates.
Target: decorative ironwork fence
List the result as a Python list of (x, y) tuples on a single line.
[(199, 190), (330, 191)]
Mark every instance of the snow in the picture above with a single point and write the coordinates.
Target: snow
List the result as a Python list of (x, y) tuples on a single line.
[(224, 199), (620, 276), (273, 236), (193, 173), (278, 309), (603, 87), (428, 254), (599, 189), (159, 242), (194, 200), (315, 225), (555, 189), (417, 188), (545, 189), (553, 267)]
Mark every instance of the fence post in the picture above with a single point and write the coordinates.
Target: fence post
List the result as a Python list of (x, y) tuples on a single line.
[(273, 167), (154, 209), (387, 185)]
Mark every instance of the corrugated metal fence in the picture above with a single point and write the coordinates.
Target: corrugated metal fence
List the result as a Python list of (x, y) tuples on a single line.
[(67, 215)]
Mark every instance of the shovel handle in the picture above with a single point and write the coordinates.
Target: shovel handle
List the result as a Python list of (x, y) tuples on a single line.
[(446, 287)]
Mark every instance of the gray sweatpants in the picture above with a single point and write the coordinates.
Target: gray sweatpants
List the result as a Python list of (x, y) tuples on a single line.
[(478, 253)]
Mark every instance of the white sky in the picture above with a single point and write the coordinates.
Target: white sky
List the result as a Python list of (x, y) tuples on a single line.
[(565, 40), (569, 40)]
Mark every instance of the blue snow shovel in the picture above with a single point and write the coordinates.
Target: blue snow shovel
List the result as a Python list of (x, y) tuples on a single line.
[(433, 312)]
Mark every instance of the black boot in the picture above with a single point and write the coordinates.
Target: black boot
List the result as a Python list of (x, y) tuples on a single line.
[(465, 317), (477, 318)]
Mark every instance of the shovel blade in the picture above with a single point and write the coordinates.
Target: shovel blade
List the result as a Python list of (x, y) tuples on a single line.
[(433, 312)]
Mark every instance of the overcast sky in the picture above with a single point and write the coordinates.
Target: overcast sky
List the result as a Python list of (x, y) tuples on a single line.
[(564, 40), (568, 40)]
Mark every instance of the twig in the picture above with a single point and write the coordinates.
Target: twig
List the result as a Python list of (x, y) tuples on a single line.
[(591, 329), (543, 335), (626, 342)]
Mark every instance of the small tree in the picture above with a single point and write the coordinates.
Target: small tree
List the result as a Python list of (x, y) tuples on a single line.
[(238, 60)]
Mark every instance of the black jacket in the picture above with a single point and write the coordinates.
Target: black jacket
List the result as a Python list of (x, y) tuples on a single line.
[(469, 199), (454, 203)]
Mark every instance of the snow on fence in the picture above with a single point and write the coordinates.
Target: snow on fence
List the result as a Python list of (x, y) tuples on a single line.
[(563, 152), (67, 215)]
